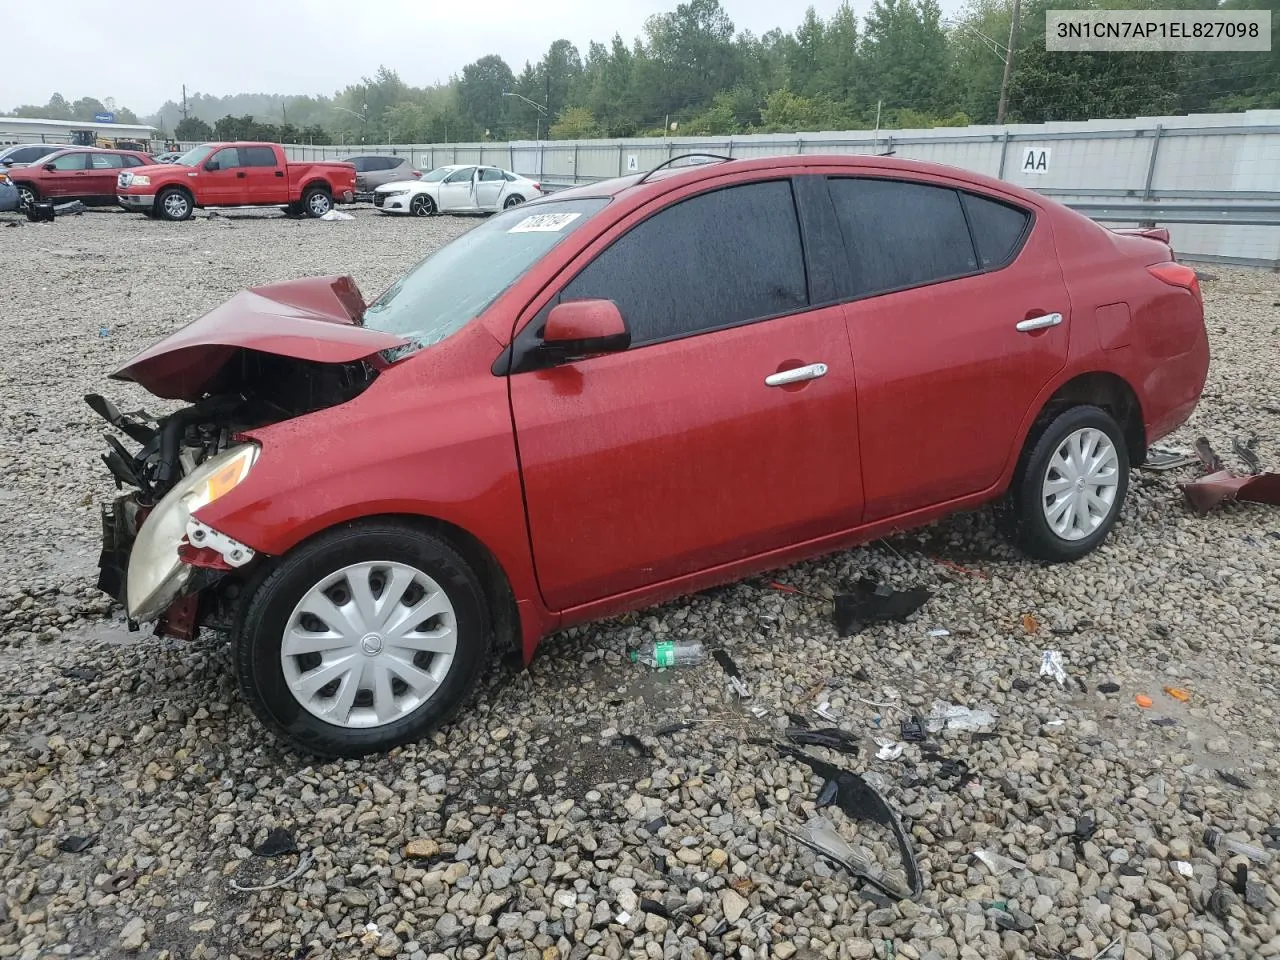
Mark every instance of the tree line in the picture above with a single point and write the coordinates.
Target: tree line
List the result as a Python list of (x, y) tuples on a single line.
[(692, 72)]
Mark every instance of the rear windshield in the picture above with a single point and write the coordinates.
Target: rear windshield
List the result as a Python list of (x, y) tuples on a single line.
[(458, 282)]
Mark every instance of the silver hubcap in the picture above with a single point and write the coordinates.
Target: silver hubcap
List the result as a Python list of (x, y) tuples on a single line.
[(175, 205), (25, 197), (421, 206), (369, 644), (319, 204), (513, 202), (1080, 484)]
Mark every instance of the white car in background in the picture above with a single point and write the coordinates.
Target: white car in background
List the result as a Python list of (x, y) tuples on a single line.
[(457, 188)]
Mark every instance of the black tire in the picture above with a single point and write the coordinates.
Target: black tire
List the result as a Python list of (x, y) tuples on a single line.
[(256, 644), (27, 195), (512, 201), (316, 202), (1025, 514), (174, 203), (422, 206)]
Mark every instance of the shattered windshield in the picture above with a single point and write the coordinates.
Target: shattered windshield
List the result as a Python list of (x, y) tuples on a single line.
[(195, 156), (457, 283)]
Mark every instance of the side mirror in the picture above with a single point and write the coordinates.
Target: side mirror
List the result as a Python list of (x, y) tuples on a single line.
[(578, 329), (211, 165), (51, 167)]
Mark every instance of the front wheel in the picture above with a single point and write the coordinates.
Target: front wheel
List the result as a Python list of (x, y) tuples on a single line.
[(174, 204), (317, 202), (422, 206), (1071, 487), (362, 639), (26, 196)]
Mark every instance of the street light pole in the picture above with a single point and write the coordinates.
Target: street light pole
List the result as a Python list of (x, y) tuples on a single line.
[(537, 123), (1008, 64)]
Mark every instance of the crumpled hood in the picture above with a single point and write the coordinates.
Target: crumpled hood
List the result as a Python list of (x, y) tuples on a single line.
[(315, 319)]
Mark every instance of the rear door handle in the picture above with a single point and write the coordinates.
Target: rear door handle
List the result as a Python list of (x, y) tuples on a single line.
[(796, 375), (1040, 323)]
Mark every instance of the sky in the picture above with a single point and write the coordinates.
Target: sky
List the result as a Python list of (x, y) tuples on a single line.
[(143, 55)]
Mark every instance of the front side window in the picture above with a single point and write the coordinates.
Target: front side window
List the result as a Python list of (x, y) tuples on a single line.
[(226, 159), (70, 161), (457, 283), (460, 176), (900, 234), (257, 157), (712, 261), (106, 161)]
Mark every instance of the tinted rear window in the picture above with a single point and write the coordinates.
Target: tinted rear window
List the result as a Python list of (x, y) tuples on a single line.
[(900, 234), (998, 229), (257, 156)]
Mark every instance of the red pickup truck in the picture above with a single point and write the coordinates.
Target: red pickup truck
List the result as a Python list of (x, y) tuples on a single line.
[(235, 175)]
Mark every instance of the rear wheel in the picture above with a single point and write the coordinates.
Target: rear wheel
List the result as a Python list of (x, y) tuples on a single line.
[(316, 202), (422, 206), (512, 201), (174, 204), (1071, 486), (363, 639)]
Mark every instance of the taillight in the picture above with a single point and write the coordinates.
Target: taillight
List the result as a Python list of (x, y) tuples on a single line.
[(1177, 275), (416, 174), (538, 187)]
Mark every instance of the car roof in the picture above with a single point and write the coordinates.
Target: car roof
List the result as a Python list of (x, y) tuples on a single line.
[(667, 178)]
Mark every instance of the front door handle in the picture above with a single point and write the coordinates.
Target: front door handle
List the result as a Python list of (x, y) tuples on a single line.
[(796, 375), (240, 175), (1040, 323)]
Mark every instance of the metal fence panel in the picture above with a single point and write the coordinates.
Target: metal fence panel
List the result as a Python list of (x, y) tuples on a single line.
[(1227, 160)]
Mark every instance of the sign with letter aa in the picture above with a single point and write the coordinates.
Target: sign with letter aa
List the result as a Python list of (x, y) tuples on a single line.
[(1035, 160)]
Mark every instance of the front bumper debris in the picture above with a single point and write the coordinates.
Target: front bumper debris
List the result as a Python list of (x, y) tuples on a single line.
[(136, 201), (120, 520)]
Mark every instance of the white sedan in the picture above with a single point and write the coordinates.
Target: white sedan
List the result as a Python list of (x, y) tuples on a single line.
[(458, 188)]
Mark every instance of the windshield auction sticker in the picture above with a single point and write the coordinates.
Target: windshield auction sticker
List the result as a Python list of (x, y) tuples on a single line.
[(545, 223), (1136, 31)]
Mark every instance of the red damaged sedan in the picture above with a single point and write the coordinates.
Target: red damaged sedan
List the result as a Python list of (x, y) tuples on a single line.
[(623, 393)]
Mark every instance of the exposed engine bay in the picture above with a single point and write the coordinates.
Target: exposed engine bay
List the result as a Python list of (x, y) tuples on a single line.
[(252, 389)]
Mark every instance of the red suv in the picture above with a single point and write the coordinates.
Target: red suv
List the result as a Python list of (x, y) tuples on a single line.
[(623, 393), (84, 174)]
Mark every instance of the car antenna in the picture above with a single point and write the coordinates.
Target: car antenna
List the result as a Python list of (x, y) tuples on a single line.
[(684, 156)]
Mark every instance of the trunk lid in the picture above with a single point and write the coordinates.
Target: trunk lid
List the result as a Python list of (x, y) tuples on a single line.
[(316, 319)]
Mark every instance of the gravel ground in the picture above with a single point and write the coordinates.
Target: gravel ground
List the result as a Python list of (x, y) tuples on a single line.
[(523, 829)]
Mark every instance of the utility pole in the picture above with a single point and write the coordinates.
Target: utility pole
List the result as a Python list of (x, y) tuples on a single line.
[(1008, 64), (184, 101)]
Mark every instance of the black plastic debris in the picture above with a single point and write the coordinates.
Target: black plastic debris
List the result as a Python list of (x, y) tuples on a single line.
[(860, 801), (1234, 780), (827, 795), (912, 729), (829, 737), (873, 602), (1022, 684), (736, 683), (75, 844), (1245, 451), (86, 674), (278, 843), (1208, 457), (798, 720), (670, 728), (1083, 831), (654, 907), (1165, 722), (1084, 687), (1108, 687), (983, 736), (632, 744)]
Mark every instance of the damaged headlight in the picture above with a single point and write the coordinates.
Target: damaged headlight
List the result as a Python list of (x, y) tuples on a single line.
[(156, 574)]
